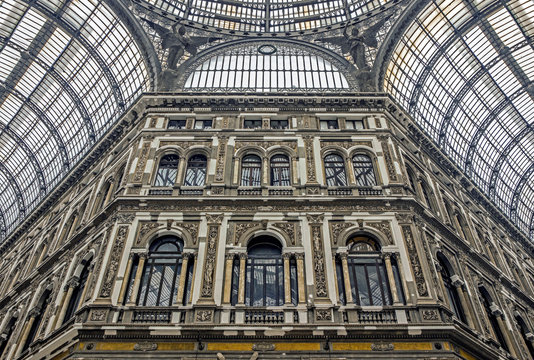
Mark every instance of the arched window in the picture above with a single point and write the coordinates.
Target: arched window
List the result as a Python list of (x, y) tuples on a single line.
[(367, 275), (76, 297), (40, 308), (525, 332), (364, 170), (161, 275), (450, 289), (426, 195), (196, 171), (264, 273), (251, 171), (280, 170), (492, 316), (411, 179), (167, 170), (335, 170), (7, 331)]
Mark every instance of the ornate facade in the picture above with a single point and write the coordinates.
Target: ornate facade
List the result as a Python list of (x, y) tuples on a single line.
[(238, 227)]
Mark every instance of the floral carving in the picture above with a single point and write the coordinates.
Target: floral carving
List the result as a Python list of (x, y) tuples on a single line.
[(310, 163), (204, 315), (289, 229), (98, 315), (420, 282), (323, 314), (209, 267), (221, 155), (113, 265), (336, 228), (384, 227), (389, 162), (430, 315), (346, 144), (144, 229), (192, 228), (318, 261), (141, 163), (241, 228)]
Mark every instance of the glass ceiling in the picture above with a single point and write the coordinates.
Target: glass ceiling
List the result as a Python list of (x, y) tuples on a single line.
[(464, 71), (261, 16), (68, 70), (266, 67)]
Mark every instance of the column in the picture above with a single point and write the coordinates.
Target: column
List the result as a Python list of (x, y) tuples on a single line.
[(506, 334), (287, 278), (242, 273), (346, 278), (125, 280), (336, 295), (391, 279), (109, 193), (181, 166), (458, 284), (228, 278), (195, 262), (183, 276), (137, 280), (441, 284), (26, 332), (71, 285), (300, 277)]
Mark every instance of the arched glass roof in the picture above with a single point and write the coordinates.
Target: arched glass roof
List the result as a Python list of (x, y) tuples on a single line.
[(265, 16), (267, 67), (464, 71), (68, 71)]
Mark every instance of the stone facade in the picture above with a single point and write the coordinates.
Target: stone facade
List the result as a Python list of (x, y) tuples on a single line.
[(102, 226)]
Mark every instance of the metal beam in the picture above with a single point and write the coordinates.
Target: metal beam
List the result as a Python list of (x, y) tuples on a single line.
[(46, 121), (16, 189), (500, 161), (518, 191), (75, 33), (484, 126)]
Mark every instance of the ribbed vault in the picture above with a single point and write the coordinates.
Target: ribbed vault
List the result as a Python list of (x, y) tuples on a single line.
[(464, 70), (68, 71)]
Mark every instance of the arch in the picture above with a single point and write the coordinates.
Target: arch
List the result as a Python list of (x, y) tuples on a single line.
[(38, 312), (333, 149), (525, 331), (250, 149), (363, 242), (489, 307), (334, 68), (196, 170), (80, 279), (270, 232), (251, 170), (428, 194), (7, 330), (352, 232), (447, 272), (167, 170)]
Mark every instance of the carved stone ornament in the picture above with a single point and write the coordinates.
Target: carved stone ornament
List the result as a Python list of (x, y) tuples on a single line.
[(266, 144), (346, 144), (204, 315), (323, 314), (420, 282), (98, 264), (315, 219), (114, 261), (221, 156), (430, 315), (98, 315), (310, 163), (125, 218), (383, 227), (141, 163), (192, 229), (289, 229), (145, 346), (336, 228), (389, 162), (318, 261), (382, 347), (144, 229), (241, 228), (209, 266), (214, 218), (264, 346)]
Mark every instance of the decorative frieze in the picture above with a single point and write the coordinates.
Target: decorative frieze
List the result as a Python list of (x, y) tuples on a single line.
[(390, 165), (241, 228), (384, 227), (266, 144), (292, 231), (336, 228), (144, 228), (420, 282), (192, 229), (114, 261), (310, 162), (346, 144)]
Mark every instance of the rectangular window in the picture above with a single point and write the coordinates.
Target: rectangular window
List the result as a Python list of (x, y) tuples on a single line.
[(176, 124), (329, 124), (354, 124), (279, 124), (203, 124), (252, 124)]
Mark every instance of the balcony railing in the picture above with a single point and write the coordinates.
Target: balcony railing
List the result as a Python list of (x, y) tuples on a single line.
[(340, 191), (377, 317), (152, 316), (369, 192), (248, 192), (191, 192), (160, 192), (281, 192), (264, 317)]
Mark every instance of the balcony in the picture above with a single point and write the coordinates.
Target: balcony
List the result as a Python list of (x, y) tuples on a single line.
[(260, 316), (340, 191), (249, 192), (369, 192), (152, 316), (160, 192)]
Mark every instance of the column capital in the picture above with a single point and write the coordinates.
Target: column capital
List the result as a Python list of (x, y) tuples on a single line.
[(34, 312), (229, 256), (187, 255), (142, 255), (286, 256), (456, 281), (243, 256), (495, 310), (299, 256), (72, 282), (343, 255)]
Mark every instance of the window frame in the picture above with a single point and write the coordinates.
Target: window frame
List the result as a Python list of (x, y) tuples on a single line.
[(196, 170)]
